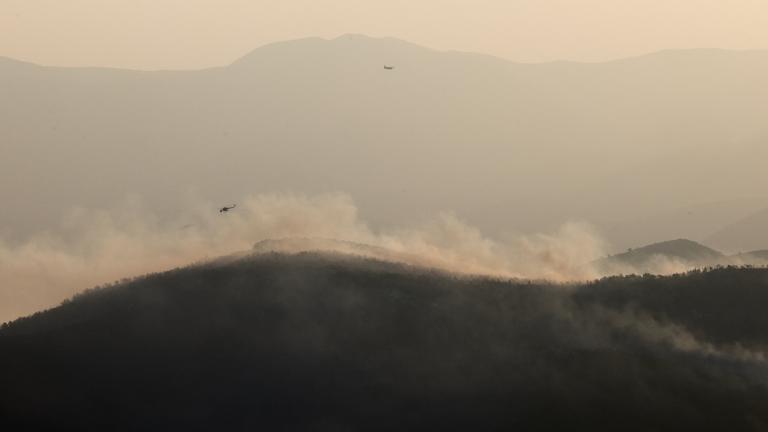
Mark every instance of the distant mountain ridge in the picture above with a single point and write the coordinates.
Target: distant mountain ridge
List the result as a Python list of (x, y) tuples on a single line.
[(679, 248), (675, 256), (464, 132), (683, 54), (661, 258)]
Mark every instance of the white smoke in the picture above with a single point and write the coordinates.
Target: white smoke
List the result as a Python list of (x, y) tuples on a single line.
[(680, 338), (92, 247)]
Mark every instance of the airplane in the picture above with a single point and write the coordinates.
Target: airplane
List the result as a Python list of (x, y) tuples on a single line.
[(388, 67), (226, 209)]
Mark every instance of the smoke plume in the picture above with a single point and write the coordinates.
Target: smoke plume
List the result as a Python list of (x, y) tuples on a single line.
[(96, 246)]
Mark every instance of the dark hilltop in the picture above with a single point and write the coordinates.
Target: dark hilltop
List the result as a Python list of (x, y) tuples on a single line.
[(328, 341)]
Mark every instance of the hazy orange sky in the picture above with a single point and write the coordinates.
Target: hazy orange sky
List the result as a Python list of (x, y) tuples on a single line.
[(182, 34)]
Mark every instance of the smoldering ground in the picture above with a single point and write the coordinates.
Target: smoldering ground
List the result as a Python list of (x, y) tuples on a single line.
[(325, 341)]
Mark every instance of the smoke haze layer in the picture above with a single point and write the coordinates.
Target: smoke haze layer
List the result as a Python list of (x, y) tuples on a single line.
[(92, 246), (631, 146)]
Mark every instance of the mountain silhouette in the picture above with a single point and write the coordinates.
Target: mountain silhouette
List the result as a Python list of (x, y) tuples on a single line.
[(652, 258)]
